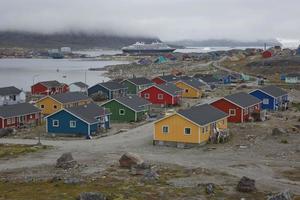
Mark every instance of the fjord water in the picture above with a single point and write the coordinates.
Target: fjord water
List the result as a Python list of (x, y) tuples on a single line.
[(23, 72)]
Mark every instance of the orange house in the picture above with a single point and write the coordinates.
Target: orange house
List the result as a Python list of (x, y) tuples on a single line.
[(191, 126), (192, 88)]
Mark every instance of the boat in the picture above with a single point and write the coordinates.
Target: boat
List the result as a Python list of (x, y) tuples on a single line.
[(141, 47)]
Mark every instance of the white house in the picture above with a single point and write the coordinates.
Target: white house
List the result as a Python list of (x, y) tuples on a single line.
[(292, 78), (11, 95), (78, 87)]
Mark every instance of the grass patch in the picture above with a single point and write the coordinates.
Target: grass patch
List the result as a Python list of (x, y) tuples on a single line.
[(296, 105), (14, 150)]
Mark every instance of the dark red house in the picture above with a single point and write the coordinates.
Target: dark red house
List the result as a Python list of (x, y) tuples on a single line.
[(239, 106), (49, 88), (266, 54), (164, 94), (19, 115)]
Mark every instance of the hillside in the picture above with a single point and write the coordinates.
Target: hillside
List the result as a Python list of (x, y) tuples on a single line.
[(73, 40)]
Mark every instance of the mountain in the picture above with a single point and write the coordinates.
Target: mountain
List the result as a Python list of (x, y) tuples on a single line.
[(73, 40), (223, 43)]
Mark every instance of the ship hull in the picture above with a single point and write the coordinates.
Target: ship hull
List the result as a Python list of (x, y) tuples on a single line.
[(147, 51)]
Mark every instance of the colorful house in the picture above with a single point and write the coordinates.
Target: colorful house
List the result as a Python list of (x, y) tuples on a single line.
[(11, 95), (164, 94), (292, 78), (135, 85), (161, 60), (85, 120), (78, 87), (192, 88), (239, 106), (53, 103), (165, 79), (193, 126), (109, 90), (131, 108), (49, 88), (272, 97), (19, 115)]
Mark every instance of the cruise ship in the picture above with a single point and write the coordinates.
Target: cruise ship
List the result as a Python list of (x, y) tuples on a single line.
[(155, 47)]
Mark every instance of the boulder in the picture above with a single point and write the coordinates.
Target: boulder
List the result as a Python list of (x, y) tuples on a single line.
[(150, 175), (6, 132), (246, 185), (210, 188), (128, 160), (66, 161), (91, 196), (140, 168), (286, 195), (278, 131)]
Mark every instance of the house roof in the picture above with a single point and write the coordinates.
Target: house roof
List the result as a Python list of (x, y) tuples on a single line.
[(112, 85), (203, 114), (140, 81), (168, 78), (170, 88), (273, 91), (70, 97), (50, 84), (242, 99), (193, 83), (11, 90), (17, 110), (80, 84), (88, 112), (134, 102), (208, 78), (293, 75)]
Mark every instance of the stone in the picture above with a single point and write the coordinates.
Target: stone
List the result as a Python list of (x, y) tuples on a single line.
[(72, 181), (210, 188), (150, 175), (66, 161), (140, 168), (278, 131), (6, 132), (246, 185), (285, 195), (91, 196), (128, 160)]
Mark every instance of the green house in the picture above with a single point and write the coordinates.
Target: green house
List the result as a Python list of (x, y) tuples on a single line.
[(131, 108), (135, 85)]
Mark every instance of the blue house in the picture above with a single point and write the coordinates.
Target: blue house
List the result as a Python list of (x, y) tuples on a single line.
[(273, 98), (85, 120), (108, 90)]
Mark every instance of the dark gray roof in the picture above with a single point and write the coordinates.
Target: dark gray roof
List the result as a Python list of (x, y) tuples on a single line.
[(140, 81), (273, 91), (293, 75), (243, 99), (11, 90), (134, 102), (203, 114), (112, 85), (193, 82), (88, 112), (207, 78), (80, 84), (70, 97), (169, 78), (51, 84), (17, 110), (170, 88)]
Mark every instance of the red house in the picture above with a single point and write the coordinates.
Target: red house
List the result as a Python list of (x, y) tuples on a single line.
[(165, 94), (239, 106), (49, 88), (267, 54), (19, 115), (165, 79)]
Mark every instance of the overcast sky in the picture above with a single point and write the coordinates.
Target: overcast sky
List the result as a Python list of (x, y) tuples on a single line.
[(166, 19)]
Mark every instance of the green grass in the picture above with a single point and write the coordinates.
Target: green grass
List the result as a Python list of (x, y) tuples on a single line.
[(14, 150)]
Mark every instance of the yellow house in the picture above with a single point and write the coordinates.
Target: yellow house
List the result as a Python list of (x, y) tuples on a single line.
[(193, 126), (53, 103), (192, 88)]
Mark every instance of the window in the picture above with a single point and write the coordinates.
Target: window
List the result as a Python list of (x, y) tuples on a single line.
[(186, 90), (55, 123), (231, 112), (9, 121), (42, 106), (121, 112), (72, 124), (187, 131), (206, 129), (160, 96), (55, 106), (265, 101), (246, 111), (147, 96), (203, 130), (165, 129)]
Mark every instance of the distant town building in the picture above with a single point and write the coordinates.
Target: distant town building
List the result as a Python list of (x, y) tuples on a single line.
[(11, 95), (66, 50), (292, 78), (267, 54)]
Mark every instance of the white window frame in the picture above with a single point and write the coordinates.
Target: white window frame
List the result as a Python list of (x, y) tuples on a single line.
[(266, 101), (72, 125), (147, 96), (246, 111), (160, 96), (123, 111), (9, 121), (162, 129), (184, 131), (42, 106), (234, 113), (53, 123)]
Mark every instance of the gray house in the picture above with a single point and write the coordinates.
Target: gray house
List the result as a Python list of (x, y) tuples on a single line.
[(11, 95)]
